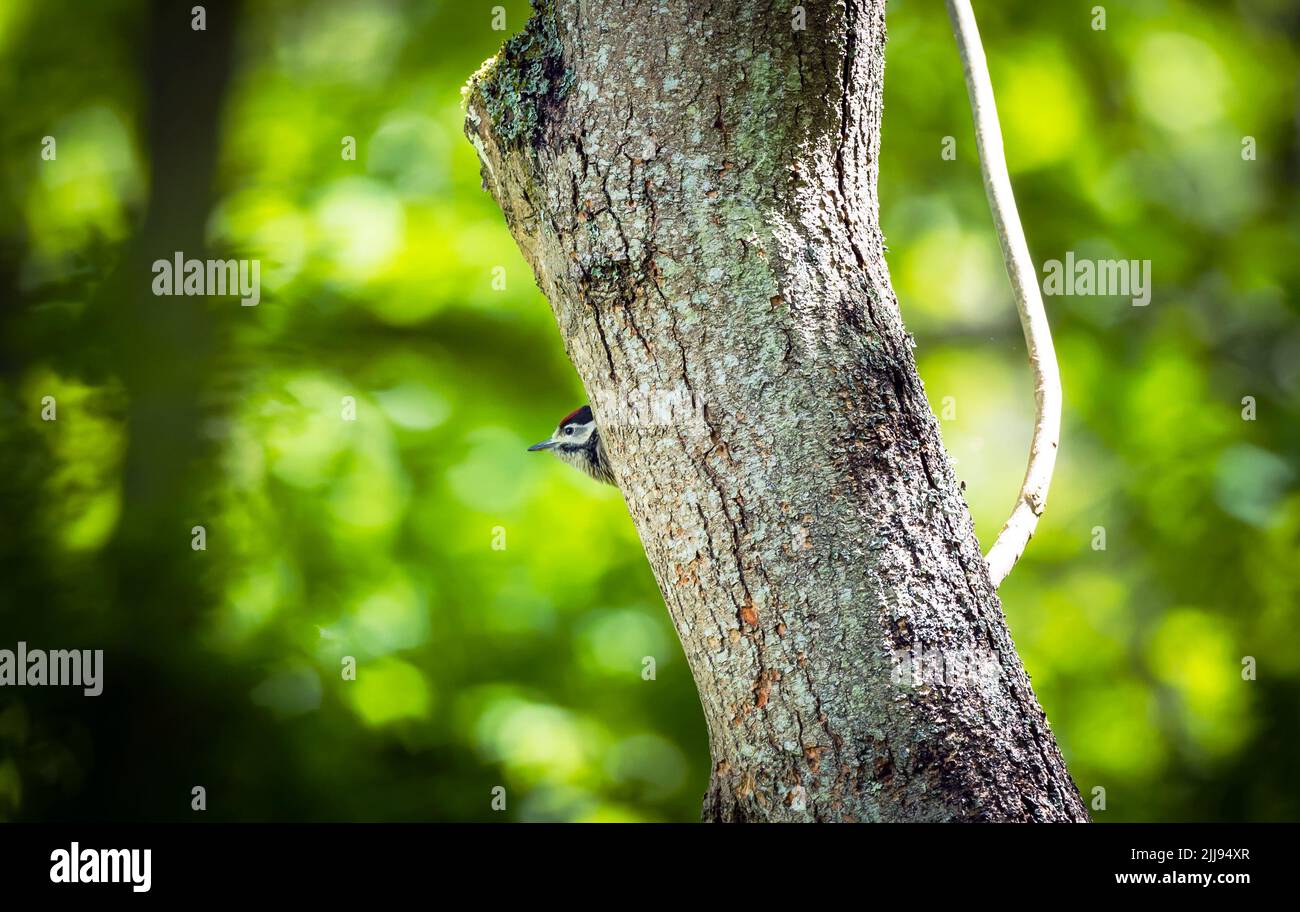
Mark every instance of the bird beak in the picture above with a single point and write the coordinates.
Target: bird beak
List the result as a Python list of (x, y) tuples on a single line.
[(544, 445)]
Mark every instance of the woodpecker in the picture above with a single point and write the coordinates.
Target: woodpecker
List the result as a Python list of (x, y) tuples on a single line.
[(577, 442)]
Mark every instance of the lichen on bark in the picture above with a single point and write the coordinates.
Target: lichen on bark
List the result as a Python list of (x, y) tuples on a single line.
[(518, 84)]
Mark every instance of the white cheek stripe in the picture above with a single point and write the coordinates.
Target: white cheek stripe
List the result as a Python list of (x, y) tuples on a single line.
[(581, 434)]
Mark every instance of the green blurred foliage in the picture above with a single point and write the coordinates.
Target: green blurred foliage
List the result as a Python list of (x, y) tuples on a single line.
[(521, 666)]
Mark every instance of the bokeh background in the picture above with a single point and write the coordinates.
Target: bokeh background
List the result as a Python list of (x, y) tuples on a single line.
[(392, 279)]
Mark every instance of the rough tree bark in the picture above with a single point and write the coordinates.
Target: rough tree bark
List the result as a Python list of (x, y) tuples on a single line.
[(694, 185)]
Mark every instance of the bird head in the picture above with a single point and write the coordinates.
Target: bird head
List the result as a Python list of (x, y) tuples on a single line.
[(572, 435), (577, 442)]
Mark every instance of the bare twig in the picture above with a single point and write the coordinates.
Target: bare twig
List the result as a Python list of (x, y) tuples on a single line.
[(1019, 527)]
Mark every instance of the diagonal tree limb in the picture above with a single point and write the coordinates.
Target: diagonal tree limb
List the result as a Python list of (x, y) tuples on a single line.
[(1019, 527)]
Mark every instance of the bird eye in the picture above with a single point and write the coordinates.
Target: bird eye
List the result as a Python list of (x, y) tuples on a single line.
[(568, 430)]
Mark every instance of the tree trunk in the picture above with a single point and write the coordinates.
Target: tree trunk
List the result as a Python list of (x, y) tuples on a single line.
[(694, 186)]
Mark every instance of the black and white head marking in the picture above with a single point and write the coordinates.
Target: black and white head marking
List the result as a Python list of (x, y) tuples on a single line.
[(577, 442)]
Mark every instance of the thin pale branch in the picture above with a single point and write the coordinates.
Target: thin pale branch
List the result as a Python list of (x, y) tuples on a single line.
[(1019, 527)]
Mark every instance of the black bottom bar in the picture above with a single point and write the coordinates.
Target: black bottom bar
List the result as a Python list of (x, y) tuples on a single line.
[(544, 862)]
